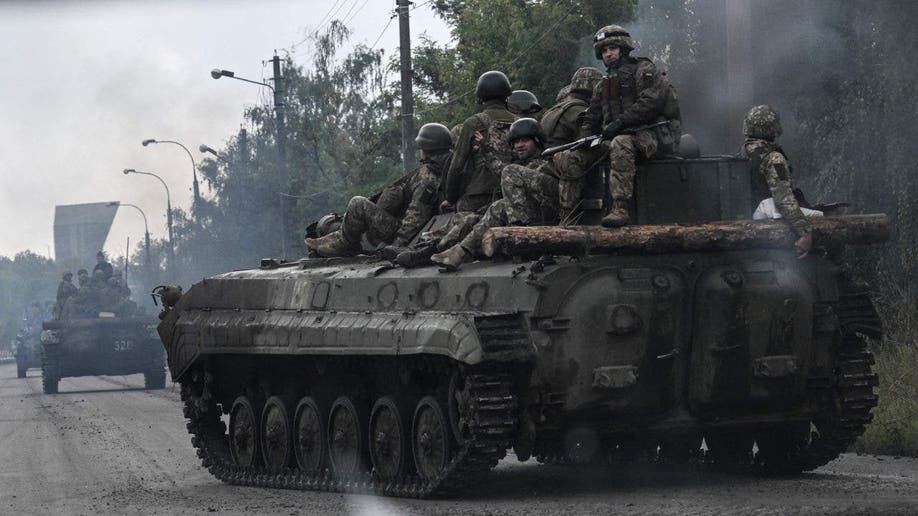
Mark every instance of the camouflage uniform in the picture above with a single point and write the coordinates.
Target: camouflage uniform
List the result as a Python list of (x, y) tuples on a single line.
[(633, 93), (474, 188), (563, 123), (529, 198), (761, 127), (396, 216)]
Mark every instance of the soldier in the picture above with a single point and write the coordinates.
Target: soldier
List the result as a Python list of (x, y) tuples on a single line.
[(762, 126), (529, 187), (633, 93), (524, 103), (82, 277), (102, 265), (400, 210), (563, 123), (473, 189), (65, 290)]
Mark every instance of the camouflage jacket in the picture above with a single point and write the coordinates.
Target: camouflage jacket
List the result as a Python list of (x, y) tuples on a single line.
[(774, 179), (634, 92), (563, 122), (456, 182), (422, 199)]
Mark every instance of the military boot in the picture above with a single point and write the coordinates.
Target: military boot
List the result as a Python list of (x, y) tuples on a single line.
[(332, 245), (417, 256), (619, 215), (452, 258)]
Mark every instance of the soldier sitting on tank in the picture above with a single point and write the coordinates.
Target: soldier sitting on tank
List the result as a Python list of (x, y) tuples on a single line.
[(530, 194), (771, 172), (562, 123), (524, 103), (632, 94), (401, 210), (102, 265), (65, 290)]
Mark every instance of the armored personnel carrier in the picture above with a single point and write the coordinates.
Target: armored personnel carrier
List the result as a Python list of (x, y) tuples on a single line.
[(27, 346), (576, 344), (104, 345)]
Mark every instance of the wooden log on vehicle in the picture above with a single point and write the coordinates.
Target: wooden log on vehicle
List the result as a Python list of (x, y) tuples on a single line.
[(535, 241)]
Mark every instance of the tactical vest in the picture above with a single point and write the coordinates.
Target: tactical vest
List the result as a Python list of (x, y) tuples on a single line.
[(552, 118), (485, 178)]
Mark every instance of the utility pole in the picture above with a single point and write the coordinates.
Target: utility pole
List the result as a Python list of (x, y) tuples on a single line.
[(281, 148), (407, 116)]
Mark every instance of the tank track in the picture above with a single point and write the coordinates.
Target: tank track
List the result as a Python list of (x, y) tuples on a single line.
[(491, 432)]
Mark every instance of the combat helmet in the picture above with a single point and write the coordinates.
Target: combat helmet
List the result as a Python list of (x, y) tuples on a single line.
[(328, 224), (434, 137), (526, 128), (493, 85), (523, 103), (612, 35), (762, 122), (585, 79)]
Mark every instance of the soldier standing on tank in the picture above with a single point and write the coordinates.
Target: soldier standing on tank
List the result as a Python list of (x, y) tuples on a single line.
[(102, 265), (524, 103), (563, 123), (771, 172), (633, 93), (65, 290), (401, 210), (473, 189), (529, 187)]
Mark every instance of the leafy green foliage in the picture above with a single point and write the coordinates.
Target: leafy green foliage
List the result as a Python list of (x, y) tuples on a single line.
[(24, 279)]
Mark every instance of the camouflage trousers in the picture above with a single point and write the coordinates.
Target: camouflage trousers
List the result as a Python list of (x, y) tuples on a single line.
[(572, 167), (363, 217), (529, 197), (624, 152), (460, 224)]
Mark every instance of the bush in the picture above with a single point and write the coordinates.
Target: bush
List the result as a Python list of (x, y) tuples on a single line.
[(894, 430)]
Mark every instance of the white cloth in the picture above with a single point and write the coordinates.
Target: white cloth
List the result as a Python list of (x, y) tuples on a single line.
[(766, 210)]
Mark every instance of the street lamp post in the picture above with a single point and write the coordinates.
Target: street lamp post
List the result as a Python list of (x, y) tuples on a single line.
[(194, 166), (146, 228), (279, 108), (168, 215)]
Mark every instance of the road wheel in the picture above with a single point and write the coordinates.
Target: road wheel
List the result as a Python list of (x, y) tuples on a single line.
[(243, 432), (154, 379), (309, 436), (388, 439), (782, 450), (347, 442), (430, 436), (275, 434), (729, 450)]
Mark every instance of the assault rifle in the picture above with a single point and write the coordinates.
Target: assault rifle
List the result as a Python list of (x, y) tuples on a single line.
[(596, 139)]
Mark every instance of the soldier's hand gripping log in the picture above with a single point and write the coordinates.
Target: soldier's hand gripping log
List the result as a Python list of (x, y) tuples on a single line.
[(596, 139)]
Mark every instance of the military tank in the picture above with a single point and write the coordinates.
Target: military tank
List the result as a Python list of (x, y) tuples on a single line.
[(572, 344), (104, 345), (26, 346)]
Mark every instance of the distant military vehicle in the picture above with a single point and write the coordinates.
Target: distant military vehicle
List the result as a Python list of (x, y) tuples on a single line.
[(102, 346), (576, 344), (27, 346)]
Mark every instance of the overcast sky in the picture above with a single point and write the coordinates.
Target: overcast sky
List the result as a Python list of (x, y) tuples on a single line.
[(83, 83)]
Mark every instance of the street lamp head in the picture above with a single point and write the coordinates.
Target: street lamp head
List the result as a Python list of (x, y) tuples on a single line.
[(148, 142), (216, 73), (205, 148), (129, 171), (114, 203)]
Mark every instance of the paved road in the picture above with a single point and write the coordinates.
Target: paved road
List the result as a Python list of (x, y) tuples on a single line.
[(105, 446)]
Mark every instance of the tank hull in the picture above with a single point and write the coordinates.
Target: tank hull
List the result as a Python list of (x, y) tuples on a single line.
[(103, 346), (566, 359)]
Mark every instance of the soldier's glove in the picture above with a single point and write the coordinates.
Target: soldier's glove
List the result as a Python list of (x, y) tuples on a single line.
[(612, 130)]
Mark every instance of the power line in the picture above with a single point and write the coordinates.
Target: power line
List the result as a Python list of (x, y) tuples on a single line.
[(421, 5), (348, 13), (348, 20), (383, 31)]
